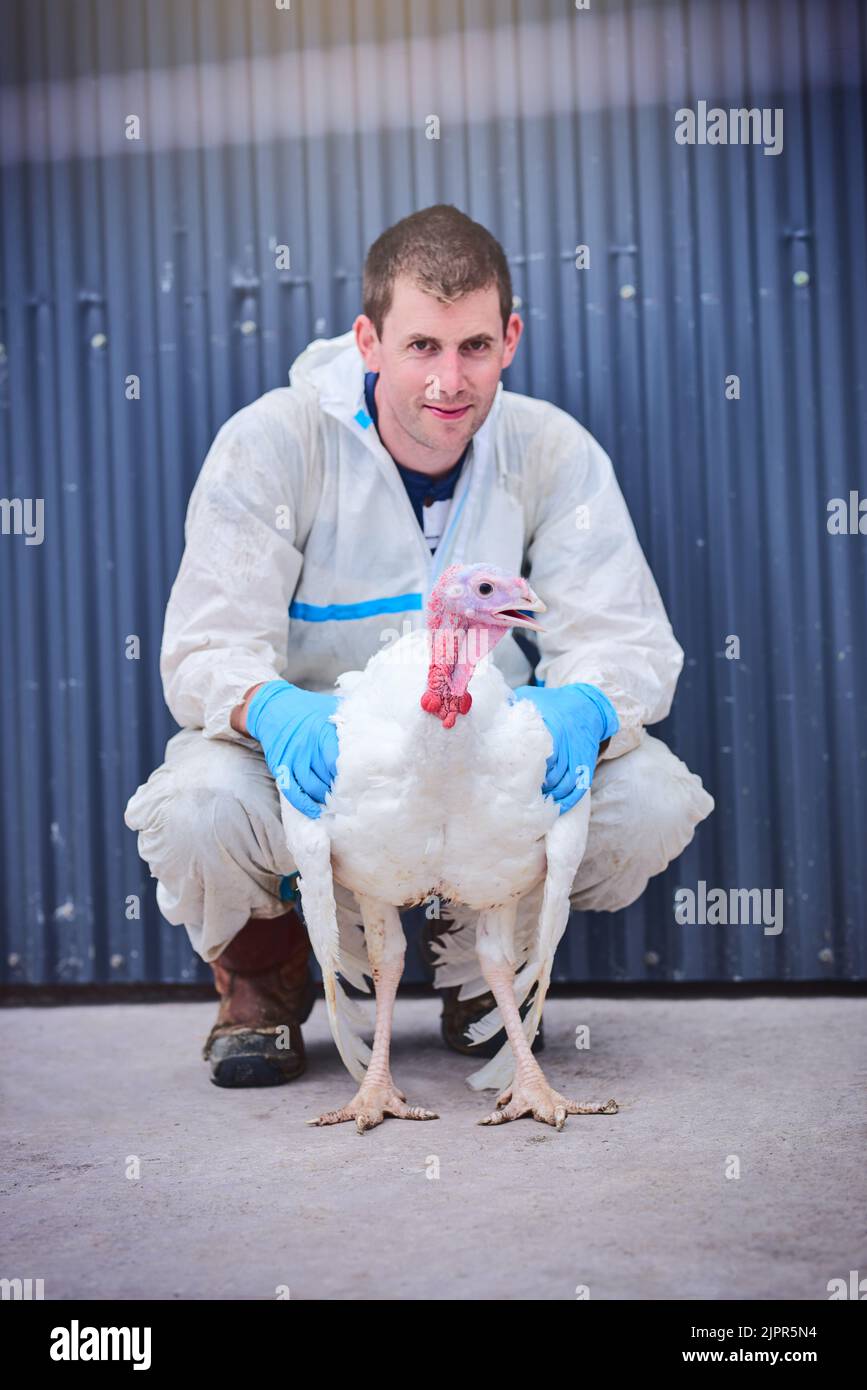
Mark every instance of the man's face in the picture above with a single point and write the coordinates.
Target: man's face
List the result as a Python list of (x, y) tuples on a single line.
[(439, 364)]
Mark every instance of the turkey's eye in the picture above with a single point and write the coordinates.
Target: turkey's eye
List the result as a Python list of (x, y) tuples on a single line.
[(485, 588)]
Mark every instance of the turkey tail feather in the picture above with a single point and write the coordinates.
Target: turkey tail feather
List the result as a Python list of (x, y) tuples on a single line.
[(310, 845)]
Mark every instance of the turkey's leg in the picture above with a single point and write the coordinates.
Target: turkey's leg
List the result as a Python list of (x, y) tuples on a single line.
[(377, 1096), (529, 1092)]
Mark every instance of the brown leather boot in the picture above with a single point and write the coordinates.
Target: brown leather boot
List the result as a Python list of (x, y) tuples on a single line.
[(267, 992)]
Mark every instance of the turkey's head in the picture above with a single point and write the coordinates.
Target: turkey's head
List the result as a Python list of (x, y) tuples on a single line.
[(470, 609)]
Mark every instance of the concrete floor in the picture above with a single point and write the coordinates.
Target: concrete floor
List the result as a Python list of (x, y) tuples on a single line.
[(238, 1196)]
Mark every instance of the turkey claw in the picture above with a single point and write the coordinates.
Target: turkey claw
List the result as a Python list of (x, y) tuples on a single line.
[(369, 1107), (544, 1104)]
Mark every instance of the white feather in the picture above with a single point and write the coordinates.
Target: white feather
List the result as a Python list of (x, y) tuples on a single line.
[(310, 846)]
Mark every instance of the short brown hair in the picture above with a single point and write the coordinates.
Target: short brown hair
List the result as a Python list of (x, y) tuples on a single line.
[(444, 252)]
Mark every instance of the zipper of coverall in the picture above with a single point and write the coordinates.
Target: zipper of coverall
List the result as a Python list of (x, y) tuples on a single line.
[(387, 467), (482, 443)]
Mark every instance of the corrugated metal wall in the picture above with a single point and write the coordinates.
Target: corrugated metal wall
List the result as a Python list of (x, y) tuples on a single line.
[(306, 126)]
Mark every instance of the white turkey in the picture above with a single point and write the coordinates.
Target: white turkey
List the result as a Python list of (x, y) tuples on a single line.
[(438, 795)]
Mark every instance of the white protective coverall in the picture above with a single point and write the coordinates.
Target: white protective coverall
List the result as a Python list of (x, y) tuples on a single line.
[(303, 556)]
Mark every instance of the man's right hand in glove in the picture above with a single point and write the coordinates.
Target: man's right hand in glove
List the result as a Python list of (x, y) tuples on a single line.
[(297, 737)]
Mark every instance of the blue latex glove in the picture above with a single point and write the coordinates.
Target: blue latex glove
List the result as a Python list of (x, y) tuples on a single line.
[(579, 718), (298, 740)]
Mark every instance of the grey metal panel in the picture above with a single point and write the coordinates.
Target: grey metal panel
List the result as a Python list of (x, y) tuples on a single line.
[(307, 127)]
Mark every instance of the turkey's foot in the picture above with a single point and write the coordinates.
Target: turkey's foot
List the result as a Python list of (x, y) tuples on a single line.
[(535, 1097), (370, 1105)]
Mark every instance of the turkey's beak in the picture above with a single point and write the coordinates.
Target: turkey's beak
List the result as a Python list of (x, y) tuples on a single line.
[(522, 616)]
